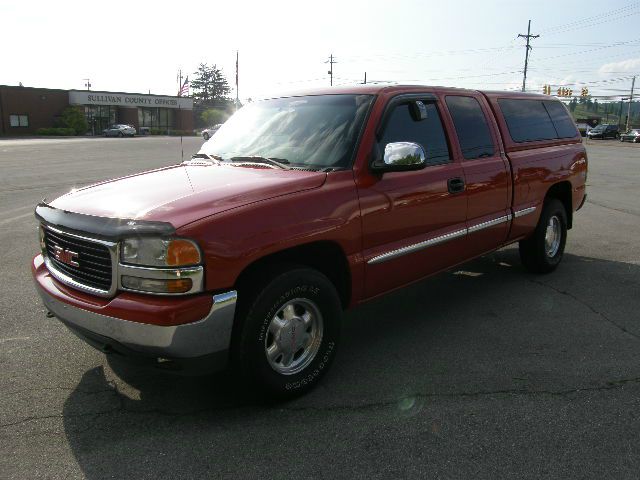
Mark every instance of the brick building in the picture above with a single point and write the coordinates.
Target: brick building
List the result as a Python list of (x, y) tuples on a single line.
[(25, 109)]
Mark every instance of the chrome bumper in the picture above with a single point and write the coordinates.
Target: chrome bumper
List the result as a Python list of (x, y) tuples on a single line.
[(208, 336)]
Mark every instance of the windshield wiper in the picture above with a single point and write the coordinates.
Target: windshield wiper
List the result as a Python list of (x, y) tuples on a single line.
[(278, 162)]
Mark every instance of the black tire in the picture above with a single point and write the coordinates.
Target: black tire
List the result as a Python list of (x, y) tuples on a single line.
[(254, 333), (538, 255), (205, 136)]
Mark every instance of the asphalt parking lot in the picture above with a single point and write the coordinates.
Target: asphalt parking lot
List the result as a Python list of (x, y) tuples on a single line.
[(481, 372)]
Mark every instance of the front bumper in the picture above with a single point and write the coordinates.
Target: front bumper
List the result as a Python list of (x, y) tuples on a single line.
[(207, 337)]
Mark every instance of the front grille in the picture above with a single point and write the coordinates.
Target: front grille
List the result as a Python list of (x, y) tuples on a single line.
[(93, 259)]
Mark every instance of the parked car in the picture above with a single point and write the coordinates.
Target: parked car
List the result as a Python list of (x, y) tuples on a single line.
[(341, 196), (632, 135), (207, 133), (583, 128), (603, 131), (119, 130)]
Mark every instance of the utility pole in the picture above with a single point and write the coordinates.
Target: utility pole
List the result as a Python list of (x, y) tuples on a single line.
[(620, 112), (528, 36), (179, 79), (633, 83), (331, 61), (237, 90), (87, 83)]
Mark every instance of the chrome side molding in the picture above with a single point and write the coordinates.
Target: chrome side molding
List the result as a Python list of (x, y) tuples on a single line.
[(417, 246), (523, 212), (449, 236), (490, 223)]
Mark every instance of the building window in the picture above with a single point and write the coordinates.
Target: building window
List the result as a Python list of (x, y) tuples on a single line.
[(160, 118), (19, 120)]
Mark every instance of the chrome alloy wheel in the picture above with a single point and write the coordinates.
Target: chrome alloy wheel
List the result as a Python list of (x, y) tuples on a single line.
[(294, 336), (552, 237)]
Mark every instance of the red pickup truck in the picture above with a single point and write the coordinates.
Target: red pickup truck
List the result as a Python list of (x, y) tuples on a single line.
[(298, 208)]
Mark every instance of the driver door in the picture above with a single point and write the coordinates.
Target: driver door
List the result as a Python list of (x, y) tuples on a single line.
[(414, 223)]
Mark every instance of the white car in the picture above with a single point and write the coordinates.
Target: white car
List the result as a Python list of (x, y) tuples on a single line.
[(119, 130), (207, 133)]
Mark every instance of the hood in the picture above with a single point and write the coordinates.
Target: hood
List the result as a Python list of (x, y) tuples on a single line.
[(185, 193)]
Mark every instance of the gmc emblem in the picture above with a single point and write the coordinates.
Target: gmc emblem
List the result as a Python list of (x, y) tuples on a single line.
[(65, 256)]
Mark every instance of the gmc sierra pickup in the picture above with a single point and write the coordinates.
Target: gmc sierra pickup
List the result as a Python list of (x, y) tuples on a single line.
[(298, 208)]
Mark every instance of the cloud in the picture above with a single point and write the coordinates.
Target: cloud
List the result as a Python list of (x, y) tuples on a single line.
[(633, 64)]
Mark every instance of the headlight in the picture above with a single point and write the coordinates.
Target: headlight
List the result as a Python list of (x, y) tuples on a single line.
[(160, 252)]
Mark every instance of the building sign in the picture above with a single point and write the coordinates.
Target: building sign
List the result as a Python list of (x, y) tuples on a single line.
[(78, 97)]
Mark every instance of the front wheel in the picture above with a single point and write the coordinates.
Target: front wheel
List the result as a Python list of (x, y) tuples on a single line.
[(542, 252), (205, 136), (289, 334)]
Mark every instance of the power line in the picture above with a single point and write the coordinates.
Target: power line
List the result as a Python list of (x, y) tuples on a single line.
[(575, 24)]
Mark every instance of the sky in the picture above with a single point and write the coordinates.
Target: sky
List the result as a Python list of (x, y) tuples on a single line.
[(139, 46)]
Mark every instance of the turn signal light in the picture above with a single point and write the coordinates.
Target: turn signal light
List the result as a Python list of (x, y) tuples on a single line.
[(154, 285), (182, 252)]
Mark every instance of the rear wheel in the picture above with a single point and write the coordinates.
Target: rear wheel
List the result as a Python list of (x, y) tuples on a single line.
[(205, 136), (543, 251), (288, 333)]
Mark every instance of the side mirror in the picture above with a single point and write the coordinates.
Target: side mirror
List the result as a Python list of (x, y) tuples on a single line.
[(400, 157)]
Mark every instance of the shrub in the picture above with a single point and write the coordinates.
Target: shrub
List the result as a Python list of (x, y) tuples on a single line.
[(73, 117), (63, 132), (184, 133)]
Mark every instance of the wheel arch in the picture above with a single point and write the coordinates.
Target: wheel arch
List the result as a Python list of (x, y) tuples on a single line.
[(562, 192), (325, 256)]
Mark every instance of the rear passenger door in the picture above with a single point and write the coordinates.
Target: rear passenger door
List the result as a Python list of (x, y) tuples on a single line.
[(486, 172)]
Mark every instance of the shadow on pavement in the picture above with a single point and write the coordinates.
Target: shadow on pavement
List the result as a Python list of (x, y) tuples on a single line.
[(486, 326)]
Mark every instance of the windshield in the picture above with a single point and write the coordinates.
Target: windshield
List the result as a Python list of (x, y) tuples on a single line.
[(312, 131)]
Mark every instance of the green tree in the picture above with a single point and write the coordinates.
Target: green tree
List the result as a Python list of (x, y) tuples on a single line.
[(73, 117), (573, 104), (209, 86), (213, 116)]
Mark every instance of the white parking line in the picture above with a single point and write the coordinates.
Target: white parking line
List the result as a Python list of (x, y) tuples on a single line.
[(12, 219), (16, 209), (14, 339)]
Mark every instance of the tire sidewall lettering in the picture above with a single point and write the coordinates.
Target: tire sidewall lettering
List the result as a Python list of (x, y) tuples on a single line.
[(310, 377), (299, 291)]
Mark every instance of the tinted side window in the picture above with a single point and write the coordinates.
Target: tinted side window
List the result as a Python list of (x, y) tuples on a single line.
[(527, 120), (561, 120), (471, 126), (429, 133)]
